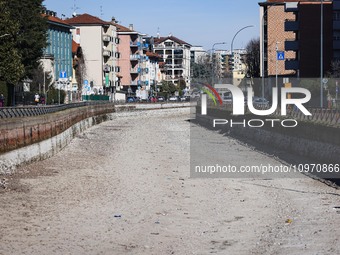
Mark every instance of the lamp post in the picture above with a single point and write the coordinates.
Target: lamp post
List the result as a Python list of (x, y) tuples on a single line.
[(321, 55), (276, 71), (212, 62), (232, 44)]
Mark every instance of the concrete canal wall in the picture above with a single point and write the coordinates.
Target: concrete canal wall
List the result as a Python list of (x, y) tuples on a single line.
[(27, 139)]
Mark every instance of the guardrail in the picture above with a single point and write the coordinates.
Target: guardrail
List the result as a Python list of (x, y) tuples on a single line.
[(326, 116), (329, 117), (29, 111)]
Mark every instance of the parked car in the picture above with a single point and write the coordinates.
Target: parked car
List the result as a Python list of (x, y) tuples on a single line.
[(160, 99), (260, 102), (173, 99), (153, 99), (227, 99), (131, 100)]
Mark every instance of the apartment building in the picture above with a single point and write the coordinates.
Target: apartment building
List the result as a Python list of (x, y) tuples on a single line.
[(198, 54), (230, 65), (152, 72), (57, 56), (132, 63), (295, 28), (306, 43), (175, 54), (98, 40), (273, 36)]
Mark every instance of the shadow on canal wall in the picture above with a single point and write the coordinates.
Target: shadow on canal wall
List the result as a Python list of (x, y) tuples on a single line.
[(308, 143)]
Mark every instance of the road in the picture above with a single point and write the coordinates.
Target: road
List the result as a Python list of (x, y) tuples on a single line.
[(123, 187)]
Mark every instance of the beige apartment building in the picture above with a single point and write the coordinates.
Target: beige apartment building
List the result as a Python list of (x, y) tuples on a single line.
[(98, 40), (175, 54)]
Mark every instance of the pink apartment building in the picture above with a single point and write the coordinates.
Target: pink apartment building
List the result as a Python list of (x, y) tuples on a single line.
[(130, 61)]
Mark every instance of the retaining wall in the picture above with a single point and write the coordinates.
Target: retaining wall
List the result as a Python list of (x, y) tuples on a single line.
[(310, 140), (25, 140)]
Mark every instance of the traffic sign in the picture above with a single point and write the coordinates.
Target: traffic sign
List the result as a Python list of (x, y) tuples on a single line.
[(280, 55), (86, 82), (63, 74)]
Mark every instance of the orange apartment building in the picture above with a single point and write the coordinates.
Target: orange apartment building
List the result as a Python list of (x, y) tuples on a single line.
[(293, 26)]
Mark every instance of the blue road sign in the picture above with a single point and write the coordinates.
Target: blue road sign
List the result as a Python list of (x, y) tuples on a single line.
[(280, 55), (86, 82), (63, 74)]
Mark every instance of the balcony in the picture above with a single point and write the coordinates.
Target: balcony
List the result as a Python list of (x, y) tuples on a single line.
[(135, 70), (291, 25), (291, 64), (146, 83), (106, 53), (292, 45), (179, 66), (107, 68), (134, 57), (336, 24), (107, 38), (134, 44)]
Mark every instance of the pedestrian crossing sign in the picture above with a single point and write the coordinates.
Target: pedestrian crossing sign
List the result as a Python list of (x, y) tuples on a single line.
[(280, 55)]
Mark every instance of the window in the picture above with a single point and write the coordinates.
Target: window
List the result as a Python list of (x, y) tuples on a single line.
[(117, 54), (336, 36), (117, 40), (117, 69), (336, 15), (78, 31)]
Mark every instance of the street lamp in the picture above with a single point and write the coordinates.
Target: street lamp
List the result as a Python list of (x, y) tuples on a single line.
[(232, 44), (321, 55), (276, 71), (212, 62)]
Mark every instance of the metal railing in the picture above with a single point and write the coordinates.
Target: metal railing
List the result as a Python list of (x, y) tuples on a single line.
[(29, 111), (330, 117), (325, 116)]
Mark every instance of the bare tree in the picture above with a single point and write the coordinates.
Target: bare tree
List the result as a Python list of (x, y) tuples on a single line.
[(335, 69), (252, 60)]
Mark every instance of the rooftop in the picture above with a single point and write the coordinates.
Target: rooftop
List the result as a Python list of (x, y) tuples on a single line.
[(86, 19), (172, 38)]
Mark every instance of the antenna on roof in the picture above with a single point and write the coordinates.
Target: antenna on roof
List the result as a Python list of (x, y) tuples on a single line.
[(158, 34), (74, 8), (101, 12)]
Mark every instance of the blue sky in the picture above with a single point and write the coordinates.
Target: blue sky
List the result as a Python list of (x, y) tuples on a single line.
[(198, 22)]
